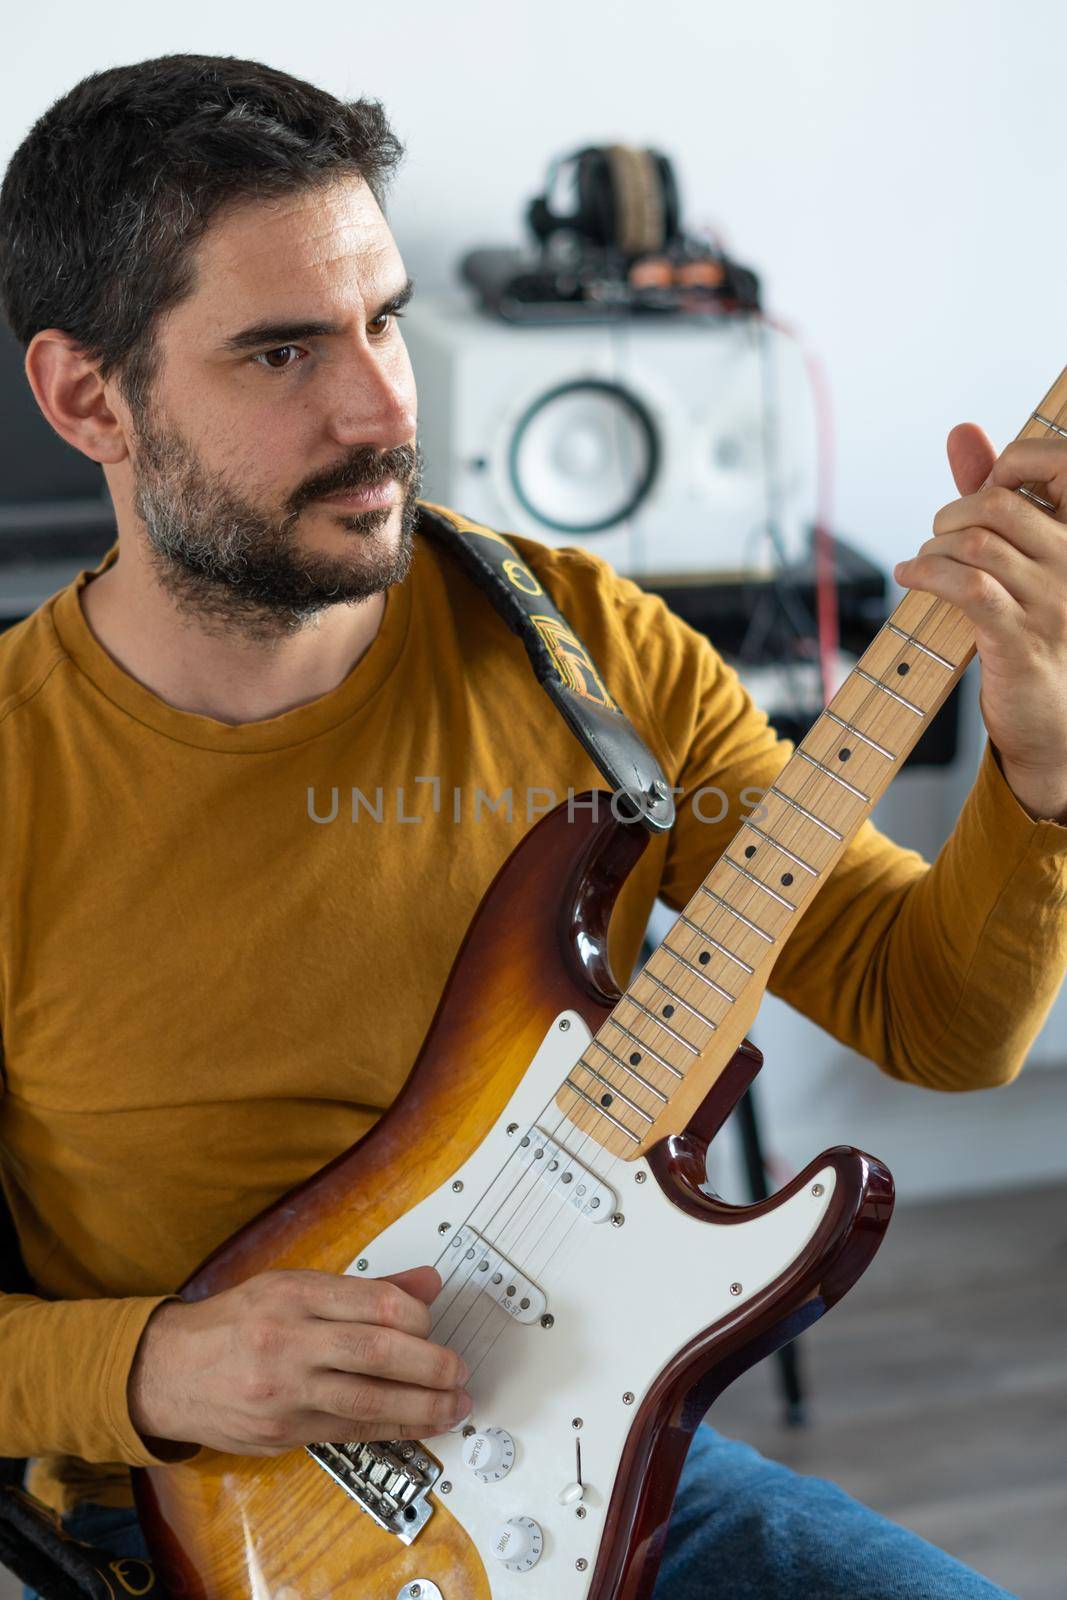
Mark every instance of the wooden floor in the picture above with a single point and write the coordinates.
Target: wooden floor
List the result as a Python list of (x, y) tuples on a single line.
[(938, 1388)]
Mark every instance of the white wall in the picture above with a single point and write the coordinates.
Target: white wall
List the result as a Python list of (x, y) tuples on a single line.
[(895, 173)]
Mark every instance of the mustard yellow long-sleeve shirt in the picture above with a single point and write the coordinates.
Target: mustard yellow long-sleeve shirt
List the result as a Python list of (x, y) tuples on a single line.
[(208, 988)]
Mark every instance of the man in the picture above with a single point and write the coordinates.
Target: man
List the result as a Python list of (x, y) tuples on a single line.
[(205, 995)]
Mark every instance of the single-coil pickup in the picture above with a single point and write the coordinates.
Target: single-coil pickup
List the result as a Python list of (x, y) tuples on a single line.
[(571, 1181), (472, 1260)]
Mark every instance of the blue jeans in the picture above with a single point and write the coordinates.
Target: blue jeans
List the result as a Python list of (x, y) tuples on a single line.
[(743, 1528)]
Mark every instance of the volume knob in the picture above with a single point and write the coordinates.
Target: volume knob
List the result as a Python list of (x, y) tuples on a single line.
[(490, 1454), (518, 1543)]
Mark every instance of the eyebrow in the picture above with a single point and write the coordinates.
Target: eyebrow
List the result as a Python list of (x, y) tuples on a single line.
[(278, 333)]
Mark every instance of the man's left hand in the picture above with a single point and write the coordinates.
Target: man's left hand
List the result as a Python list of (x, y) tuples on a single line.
[(1003, 561)]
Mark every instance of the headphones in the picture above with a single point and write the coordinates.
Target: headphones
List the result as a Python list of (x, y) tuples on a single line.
[(626, 200)]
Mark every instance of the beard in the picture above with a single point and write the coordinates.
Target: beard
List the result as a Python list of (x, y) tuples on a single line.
[(233, 567)]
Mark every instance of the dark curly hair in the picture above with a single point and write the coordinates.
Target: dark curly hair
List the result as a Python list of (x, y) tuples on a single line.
[(106, 198)]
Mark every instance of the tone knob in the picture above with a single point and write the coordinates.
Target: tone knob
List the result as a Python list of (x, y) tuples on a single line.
[(518, 1543), (490, 1454)]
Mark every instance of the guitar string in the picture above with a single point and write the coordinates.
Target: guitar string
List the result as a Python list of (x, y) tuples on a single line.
[(499, 1241), (546, 1193), (510, 1248), (930, 612), (922, 621)]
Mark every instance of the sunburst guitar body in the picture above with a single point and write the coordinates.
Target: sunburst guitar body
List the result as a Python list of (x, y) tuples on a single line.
[(602, 1297)]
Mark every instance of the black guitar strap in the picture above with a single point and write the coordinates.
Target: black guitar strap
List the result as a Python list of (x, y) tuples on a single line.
[(563, 665)]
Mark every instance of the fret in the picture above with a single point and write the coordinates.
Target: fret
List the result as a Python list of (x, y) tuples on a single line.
[(830, 773), (725, 993), (778, 845), (851, 727), (751, 876), (646, 973), (1038, 499), (616, 1092), (647, 1048), (740, 917), (1045, 423), (804, 812), (626, 1067), (600, 1111), (920, 646), (892, 693), (659, 1021), (714, 942)]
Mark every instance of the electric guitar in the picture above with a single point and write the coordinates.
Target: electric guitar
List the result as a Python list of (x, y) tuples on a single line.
[(548, 1155)]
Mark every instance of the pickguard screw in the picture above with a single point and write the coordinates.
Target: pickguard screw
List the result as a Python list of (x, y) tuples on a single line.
[(513, 1127), (457, 1187), (580, 1512), (617, 1219), (628, 1398), (445, 1486), (817, 1189), (443, 1227), (415, 1591), (468, 1430), (639, 1177), (577, 1422), (564, 1025), (548, 1320), (581, 1564), (361, 1265), (735, 1288)]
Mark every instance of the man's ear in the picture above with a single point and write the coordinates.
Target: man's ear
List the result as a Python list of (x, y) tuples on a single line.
[(74, 397)]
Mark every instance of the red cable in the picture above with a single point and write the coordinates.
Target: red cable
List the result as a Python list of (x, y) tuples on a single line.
[(826, 612)]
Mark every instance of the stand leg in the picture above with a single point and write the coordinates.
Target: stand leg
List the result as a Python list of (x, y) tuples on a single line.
[(756, 1170)]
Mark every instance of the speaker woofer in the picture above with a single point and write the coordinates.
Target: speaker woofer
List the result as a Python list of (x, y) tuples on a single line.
[(583, 456)]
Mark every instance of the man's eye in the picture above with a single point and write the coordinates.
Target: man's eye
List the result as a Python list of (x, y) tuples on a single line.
[(381, 323), (277, 360)]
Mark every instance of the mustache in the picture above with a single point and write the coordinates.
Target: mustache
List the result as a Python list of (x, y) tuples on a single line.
[(363, 469)]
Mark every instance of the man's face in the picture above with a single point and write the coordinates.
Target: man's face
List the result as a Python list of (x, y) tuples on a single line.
[(275, 465)]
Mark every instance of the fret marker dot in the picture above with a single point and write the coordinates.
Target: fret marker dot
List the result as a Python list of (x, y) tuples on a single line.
[(668, 1011), (750, 849), (843, 754), (902, 667), (787, 878), (606, 1099), (704, 957), (635, 1058)]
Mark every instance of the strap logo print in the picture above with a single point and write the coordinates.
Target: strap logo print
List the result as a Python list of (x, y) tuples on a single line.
[(572, 661), (520, 577)]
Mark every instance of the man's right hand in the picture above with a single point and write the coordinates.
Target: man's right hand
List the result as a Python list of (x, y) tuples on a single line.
[(294, 1358)]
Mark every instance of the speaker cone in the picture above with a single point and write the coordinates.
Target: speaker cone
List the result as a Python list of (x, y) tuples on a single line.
[(583, 456)]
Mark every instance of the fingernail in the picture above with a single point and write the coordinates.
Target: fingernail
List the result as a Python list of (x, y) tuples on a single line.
[(464, 1403), (464, 1370)]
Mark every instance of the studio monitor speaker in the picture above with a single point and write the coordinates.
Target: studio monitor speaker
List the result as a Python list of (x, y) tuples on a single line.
[(678, 448)]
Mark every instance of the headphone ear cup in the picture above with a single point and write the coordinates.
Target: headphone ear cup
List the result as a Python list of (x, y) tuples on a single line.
[(672, 205), (540, 218), (597, 209), (627, 200)]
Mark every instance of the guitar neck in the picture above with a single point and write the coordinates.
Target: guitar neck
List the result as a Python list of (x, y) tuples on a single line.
[(683, 1016)]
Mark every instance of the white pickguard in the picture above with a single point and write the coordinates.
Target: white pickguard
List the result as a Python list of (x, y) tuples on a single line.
[(624, 1300)]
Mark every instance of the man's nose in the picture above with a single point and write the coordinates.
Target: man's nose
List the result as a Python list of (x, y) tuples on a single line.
[(375, 405)]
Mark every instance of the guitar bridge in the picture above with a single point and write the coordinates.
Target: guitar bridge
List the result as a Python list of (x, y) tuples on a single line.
[(388, 1479)]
